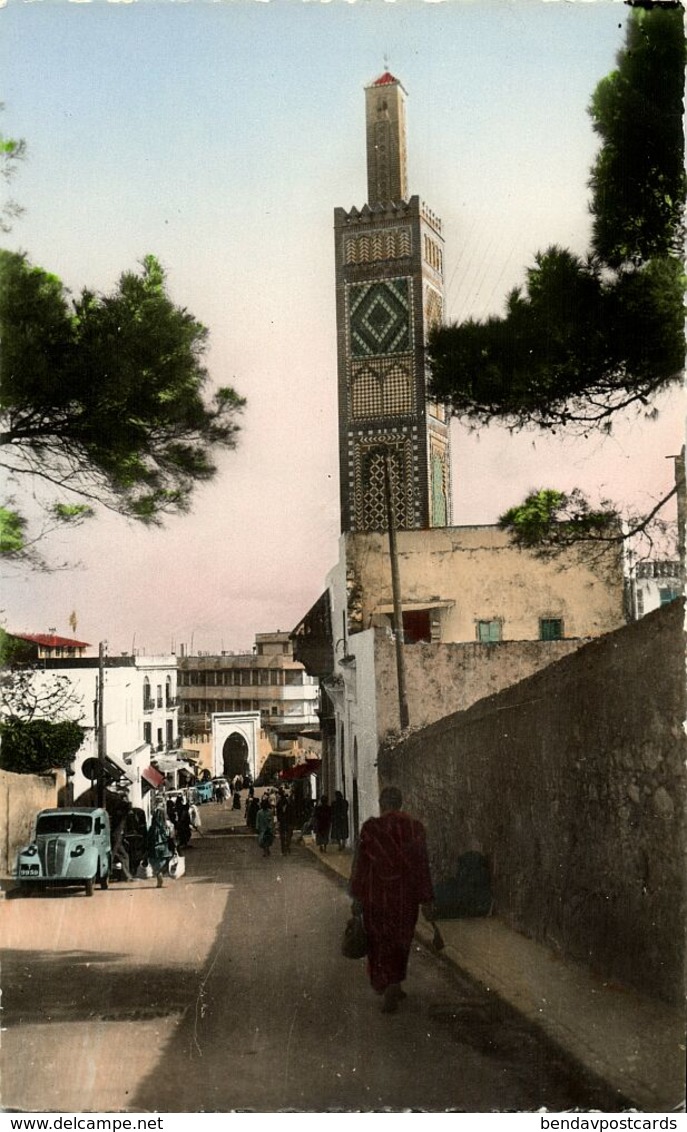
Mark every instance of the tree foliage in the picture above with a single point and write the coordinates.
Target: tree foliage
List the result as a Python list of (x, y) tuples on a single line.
[(586, 337), (548, 521), (37, 746), (12, 151), (638, 178), (38, 731), (548, 517), (105, 395), (27, 692)]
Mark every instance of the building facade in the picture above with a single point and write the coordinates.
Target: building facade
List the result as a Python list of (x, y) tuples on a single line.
[(393, 444), (267, 682), (654, 584), (48, 646), (139, 717), (479, 615)]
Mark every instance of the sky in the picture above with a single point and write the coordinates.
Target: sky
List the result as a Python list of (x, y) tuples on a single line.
[(220, 136)]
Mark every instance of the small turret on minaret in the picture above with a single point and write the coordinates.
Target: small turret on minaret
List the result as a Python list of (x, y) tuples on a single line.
[(385, 115)]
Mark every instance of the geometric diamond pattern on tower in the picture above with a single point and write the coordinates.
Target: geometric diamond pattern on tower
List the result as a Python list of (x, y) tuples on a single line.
[(379, 318)]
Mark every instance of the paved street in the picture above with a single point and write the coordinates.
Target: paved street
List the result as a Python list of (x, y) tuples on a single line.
[(226, 991)]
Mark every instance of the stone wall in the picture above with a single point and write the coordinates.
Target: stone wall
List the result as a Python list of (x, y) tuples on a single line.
[(573, 784), (21, 797), (444, 678)]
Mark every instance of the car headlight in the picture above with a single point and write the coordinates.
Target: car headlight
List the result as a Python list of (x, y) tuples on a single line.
[(30, 851), (77, 852)]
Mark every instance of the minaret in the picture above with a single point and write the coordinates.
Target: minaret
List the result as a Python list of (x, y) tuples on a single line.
[(385, 116), (389, 292)]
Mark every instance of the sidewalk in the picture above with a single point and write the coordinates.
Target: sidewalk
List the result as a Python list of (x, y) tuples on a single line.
[(634, 1045)]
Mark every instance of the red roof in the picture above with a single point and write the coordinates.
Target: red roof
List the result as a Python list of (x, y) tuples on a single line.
[(385, 79), (50, 641)]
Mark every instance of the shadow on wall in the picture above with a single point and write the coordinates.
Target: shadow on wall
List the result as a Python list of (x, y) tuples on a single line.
[(572, 783)]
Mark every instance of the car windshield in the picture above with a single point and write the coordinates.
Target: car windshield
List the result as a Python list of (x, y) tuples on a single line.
[(64, 823)]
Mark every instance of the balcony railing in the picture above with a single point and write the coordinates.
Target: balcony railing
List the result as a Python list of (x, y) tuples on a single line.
[(148, 703)]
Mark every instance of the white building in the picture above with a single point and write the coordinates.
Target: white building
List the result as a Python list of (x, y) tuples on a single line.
[(139, 717), (653, 584), (267, 683)]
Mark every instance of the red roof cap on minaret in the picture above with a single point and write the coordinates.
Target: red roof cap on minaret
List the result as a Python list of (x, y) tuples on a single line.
[(384, 79)]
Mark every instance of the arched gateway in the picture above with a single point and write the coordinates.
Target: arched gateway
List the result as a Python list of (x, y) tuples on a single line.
[(235, 736), (235, 756)]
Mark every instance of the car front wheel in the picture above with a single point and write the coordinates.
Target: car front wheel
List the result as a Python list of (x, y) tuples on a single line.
[(88, 886)]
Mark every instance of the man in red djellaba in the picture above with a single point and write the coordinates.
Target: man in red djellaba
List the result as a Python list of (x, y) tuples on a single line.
[(390, 880)]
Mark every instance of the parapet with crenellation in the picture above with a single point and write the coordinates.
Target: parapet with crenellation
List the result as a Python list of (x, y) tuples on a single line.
[(391, 211)]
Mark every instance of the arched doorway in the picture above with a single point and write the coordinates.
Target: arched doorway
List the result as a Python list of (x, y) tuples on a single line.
[(235, 756)]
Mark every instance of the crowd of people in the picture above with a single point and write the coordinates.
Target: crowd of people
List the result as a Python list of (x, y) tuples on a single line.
[(281, 811), (138, 848)]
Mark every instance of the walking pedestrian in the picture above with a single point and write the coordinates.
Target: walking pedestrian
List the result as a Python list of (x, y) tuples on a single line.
[(340, 819), (194, 817), (264, 825), (160, 843), (182, 824), (286, 819), (252, 808), (120, 853), (390, 880), (322, 823)]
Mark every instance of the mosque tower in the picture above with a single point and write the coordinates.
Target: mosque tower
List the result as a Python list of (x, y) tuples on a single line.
[(389, 293)]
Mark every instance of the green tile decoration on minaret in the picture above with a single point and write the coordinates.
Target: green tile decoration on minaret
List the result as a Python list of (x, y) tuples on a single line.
[(389, 292)]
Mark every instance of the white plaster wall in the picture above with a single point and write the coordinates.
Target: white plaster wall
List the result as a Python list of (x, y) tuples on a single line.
[(483, 577), (648, 593), (361, 710)]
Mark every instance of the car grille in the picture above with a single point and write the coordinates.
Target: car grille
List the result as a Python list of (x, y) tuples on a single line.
[(52, 853)]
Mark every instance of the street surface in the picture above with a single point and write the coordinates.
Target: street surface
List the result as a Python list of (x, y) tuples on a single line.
[(226, 991)]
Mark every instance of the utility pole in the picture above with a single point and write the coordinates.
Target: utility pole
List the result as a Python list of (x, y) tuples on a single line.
[(396, 592), (101, 724), (680, 485)]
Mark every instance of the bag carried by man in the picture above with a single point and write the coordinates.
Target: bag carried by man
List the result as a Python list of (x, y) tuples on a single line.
[(177, 866), (354, 942)]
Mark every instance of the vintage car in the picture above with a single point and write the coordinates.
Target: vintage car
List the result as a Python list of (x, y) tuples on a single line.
[(70, 846), (203, 791)]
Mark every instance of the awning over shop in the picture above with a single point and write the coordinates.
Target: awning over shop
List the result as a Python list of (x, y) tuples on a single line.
[(92, 768), (152, 777), (168, 763), (415, 606), (301, 770)]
